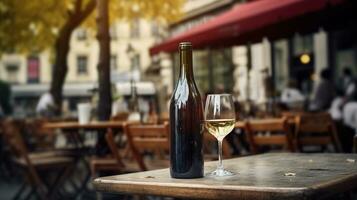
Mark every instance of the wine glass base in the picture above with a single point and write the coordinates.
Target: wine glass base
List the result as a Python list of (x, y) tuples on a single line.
[(220, 173)]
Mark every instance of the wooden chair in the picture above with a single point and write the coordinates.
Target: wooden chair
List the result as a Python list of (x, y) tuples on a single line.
[(149, 139), (114, 161), (209, 141), (291, 115), (37, 167), (278, 130), (316, 129), (211, 153), (164, 117), (122, 116), (43, 139)]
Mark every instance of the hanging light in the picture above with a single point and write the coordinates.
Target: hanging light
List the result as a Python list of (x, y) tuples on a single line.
[(305, 58)]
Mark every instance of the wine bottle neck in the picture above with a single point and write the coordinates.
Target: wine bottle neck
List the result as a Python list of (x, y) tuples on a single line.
[(186, 63)]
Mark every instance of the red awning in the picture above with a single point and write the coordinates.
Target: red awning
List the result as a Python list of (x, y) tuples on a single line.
[(251, 21)]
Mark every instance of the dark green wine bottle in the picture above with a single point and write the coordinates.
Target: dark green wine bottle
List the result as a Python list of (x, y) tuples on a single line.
[(186, 121)]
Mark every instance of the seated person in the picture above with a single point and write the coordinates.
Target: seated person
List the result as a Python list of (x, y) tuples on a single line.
[(292, 97)]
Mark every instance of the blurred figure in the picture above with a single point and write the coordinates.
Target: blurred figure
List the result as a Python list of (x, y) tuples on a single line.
[(324, 93), (292, 97), (46, 106), (337, 106), (350, 115), (346, 80), (119, 104), (344, 97), (351, 92), (152, 116)]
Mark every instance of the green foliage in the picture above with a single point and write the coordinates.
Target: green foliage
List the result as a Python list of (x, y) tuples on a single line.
[(28, 26)]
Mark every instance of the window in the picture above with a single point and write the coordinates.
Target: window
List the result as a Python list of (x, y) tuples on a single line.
[(82, 62), (81, 34), (12, 71), (135, 28), (201, 70), (135, 62), (33, 69), (113, 62), (302, 44), (113, 32), (223, 75), (155, 29)]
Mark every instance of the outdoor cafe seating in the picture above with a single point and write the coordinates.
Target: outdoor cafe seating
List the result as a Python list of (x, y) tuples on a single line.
[(135, 147), (44, 171)]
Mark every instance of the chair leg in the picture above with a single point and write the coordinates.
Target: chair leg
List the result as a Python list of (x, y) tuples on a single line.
[(336, 140), (29, 195), (354, 146), (59, 180), (53, 187), (20, 191)]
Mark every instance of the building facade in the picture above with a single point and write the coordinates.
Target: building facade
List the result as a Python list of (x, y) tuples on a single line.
[(30, 74)]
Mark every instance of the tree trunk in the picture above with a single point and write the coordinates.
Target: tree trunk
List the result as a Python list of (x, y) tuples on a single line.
[(105, 96), (62, 47), (60, 66)]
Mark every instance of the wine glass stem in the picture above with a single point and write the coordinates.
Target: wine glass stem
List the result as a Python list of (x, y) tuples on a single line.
[(220, 164)]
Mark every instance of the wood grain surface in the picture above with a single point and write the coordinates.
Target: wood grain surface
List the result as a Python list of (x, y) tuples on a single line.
[(264, 177)]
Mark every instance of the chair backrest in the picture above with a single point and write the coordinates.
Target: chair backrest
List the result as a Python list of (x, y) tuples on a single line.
[(279, 133), (314, 123), (109, 137), (164, 117), (147, 138), (43, 138), (291, 115), (316, 129), (209, 140), (12, 134), (122, 116)]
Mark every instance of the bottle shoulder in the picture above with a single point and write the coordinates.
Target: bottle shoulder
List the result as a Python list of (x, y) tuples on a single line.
[(184, 90)]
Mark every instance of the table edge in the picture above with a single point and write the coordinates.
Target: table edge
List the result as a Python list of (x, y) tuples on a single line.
[(183, 191)]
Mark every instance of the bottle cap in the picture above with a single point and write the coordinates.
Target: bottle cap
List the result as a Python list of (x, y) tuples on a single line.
[(185, 45)]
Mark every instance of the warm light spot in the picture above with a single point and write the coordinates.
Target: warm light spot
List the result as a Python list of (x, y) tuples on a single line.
[(313, 77), (305, 58)]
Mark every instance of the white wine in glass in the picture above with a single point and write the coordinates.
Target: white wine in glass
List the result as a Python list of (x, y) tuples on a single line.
[(219, 128), (219, 121)]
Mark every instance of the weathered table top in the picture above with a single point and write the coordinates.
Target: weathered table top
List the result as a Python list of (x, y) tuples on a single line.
[(91, 125), (267, 176)]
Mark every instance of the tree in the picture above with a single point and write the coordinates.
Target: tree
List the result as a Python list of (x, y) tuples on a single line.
[(33, 26), (5, 93), (105, 96)]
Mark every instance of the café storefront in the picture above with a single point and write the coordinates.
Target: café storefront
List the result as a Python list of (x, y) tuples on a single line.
[(292, 39)]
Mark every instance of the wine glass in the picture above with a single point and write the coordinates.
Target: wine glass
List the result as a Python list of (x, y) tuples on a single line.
[(219, 121)]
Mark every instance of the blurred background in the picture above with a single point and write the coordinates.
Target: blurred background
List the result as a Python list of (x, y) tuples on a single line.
[(56, 52), (121, 58)]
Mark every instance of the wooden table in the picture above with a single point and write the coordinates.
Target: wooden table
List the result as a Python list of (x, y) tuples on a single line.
[(92, 125), (72, 130), (262, 177)]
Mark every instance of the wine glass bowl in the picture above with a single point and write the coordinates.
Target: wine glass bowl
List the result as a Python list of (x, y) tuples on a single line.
[(219, 121)]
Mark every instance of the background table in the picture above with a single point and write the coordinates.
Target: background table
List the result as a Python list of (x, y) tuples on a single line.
[(72, 130), (264, 177), (89, 126)]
